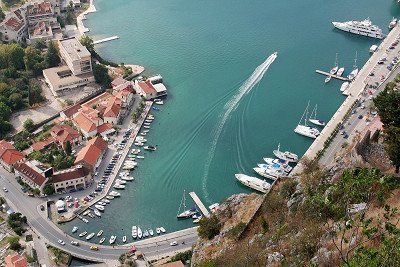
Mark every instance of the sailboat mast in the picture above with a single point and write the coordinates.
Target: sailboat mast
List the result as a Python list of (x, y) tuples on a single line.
[(355, 62), (336, 60)]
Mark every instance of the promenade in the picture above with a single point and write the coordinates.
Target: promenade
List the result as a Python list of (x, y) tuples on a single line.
[(355, 89)]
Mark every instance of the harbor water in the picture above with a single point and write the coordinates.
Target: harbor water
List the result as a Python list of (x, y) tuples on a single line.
[(223, 114)]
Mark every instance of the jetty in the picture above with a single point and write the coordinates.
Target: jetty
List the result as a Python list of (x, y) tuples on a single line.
[(333, 76), (199, 204), (106, 39)]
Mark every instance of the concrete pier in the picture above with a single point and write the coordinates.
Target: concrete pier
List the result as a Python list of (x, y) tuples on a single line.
[(106, 39), (333, 76), (200, 204)]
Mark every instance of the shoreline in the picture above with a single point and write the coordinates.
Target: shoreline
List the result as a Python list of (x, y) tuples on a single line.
[(82, 16)]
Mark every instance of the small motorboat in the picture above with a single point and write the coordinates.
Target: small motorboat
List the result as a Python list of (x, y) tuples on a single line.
[(139, 144), (100, 233), (91, 215), (115, 194), (340, 72), (155, 108), (86, 212), (158, 231), (151, 232), (120, 181), (344, 86), (328, 79), (124, 239), (145, 233), (97, 212), (82, 234), (134, 231), (127, 178), (101, 203), (112, 239), (143, 134), (150, 148), (99, 207), (393, 23), (106, 201), (197, 220), (162, 229), (159, 102), (102, 240), (85, 220), (146, 131), (110, 197), (139, 233), (146, 127), (90, 236), (75, 229), (119, 186), (148, 121)]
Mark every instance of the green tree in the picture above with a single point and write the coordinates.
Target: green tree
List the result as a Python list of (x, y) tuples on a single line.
[(14, 243), (101, 76), (33, 60), (16, 56), (392, 142), (387, 103), (68, 148), (87, 42), (5, 128), (5, 112), (40, 44), (2, 15), (16, 101), (52, 58), (48, 190), (209, 227), (29, 125)]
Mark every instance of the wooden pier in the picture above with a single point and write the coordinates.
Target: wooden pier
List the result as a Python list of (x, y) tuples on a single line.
[(333, 76), (106, 39), (200, 204)]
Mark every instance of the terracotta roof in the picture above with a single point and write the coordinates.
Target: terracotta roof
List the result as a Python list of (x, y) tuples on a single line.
[(40, 145), (84, 122), (63, 133), (113, 107), (30, 173), (70, 111), (147, 87), (118, 81), (15, 260), (14, 24), (91, 153), (70, 174), (104, 127), (39, 9), (9, 154)]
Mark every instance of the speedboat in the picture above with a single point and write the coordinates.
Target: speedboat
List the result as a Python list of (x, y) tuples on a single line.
[(100, 233), (140, 157), (160, 102), (288, 156), (90, 236), (344, 86), (127, 178), (112, 239), (151, 232), (139, 232), (327, 79), (102, 240), (120, 181), (119, 186), (393, 23), (134, 231), (162, 229), (75, 229), (340, 72), (99, 207), (253, 182), (124, 239), (151, 148), (82, 234), (97, 212), (158, 231), (145, 233), (187, 213), (353, 74), (267, 173)]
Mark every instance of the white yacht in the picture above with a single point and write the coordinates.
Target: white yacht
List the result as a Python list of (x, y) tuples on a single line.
[(269, 173), (354, 72), (99, 207), (112, 239), (89, 236), (313, 118), (344, 86), (253, 182), (134, 231), (75, 229), (364, 27), (304, 129), (288, 156), (139, 232), (393, 23), (340, 72), (100, 233), (334, 70), (276, 166), (183, 213)]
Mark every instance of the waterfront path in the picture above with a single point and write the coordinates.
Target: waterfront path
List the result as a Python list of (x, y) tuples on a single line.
[(355, 89)]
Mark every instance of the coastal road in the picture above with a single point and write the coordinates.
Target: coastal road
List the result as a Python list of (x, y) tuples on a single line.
[(28, 206)]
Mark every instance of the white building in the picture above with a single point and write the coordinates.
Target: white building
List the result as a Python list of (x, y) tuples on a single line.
[(76, 56)]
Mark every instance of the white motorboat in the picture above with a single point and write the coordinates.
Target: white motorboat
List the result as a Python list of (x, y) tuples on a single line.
[(304, 129), (145, 233), (112, 239), (160, 102), (100, 233), (101, 203), (128, 178), (344, 86), (346, 93), (138, 144), (364, 27), (82, 234), (120, 181), (102, 240), (327, 79), (277, 166), (143, 134), (214, 207), (75, 229), (135, 151), (162, 229), (151, 148), (141, 139), (97, 212), (90, 236), (184, 213), (146, 131), (393, 23), (197, 220), (140, 157), (336, 67), (158, 231), (134, 232), (85, 220), (313, 118), (354, 72), (119, 186), (146, 127), (139, 233), (106, 201), (128, 167), (86, 212), (273, 161), (253, 182), (266, 173), (288, 156), (151, 232), (99, 207), (146, 123), (115, 194), (340, 72), (110, 197), (124, 239)]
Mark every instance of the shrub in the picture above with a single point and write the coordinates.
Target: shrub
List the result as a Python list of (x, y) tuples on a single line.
[(237, 230), (288, 188), (182, 256), (209, 227)]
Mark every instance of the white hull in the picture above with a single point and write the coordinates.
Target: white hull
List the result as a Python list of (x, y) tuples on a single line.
[(288, 156), (344, 86), (340, 72), (353, 74), (253, 182), (264, 173), (317, 122), (358, 31), (307, 131)]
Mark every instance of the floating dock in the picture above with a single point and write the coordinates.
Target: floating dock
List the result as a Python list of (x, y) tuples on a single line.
[(333, 76), (106, 39), (200, 204)]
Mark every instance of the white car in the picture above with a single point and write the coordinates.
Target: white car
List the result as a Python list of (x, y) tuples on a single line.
[(174, 243), (74, 243), (61, 242)]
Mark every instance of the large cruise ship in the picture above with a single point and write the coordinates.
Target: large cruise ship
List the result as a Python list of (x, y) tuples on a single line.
[(253, 182), (364, 27)]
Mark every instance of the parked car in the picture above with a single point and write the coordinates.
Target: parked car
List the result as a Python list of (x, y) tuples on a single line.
[(94, 248), (61, 242), (74, 243), (174, 243)]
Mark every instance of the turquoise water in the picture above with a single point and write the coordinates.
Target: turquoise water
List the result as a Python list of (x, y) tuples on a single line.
[(205, 50)]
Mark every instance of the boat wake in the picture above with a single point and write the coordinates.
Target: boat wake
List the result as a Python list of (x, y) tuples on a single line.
[(229, 107)]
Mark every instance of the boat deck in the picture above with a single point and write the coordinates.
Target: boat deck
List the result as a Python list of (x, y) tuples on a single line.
[(333, 76), (199, 204)]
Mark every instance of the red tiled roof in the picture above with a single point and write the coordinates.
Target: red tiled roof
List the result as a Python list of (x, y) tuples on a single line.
[(63, 133), (9, 154), (70, 174), (40, 145), (14, 24), (30, 173), (104, 127), (15, 260), (113, 108), (118, 81), (84, 122), (91, 153), (147, 87), (70, 111), (39, 9)]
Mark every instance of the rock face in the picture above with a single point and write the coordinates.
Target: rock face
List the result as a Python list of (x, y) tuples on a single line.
[(235, 209)]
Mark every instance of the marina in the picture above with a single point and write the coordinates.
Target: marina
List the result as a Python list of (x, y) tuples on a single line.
[(332, 75), (199, 204)]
